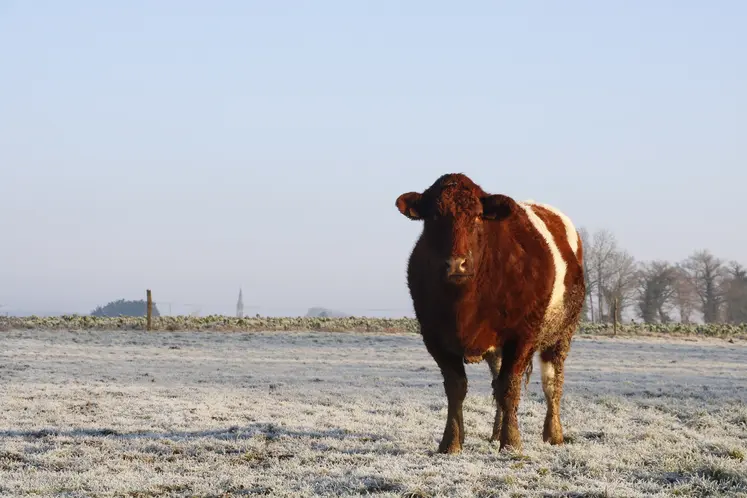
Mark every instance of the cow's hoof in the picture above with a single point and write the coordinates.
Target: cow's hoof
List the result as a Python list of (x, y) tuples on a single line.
[(450, 449)]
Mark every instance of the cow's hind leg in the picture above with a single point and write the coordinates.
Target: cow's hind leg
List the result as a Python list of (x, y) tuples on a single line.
[(552, 360), (455, 384), (507, 391), (494, 362)]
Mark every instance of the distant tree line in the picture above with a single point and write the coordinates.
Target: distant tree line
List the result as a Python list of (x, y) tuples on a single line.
[(701, 286), (125, 308)]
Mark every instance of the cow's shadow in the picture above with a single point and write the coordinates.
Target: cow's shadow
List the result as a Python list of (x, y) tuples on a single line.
[(267, 430)]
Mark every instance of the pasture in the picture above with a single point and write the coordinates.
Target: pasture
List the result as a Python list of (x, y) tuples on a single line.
[(131, 413)]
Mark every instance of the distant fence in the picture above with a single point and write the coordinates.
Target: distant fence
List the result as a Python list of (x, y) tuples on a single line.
[(165, 309)]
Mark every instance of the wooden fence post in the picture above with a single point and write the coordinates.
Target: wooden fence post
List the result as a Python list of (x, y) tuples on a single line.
[(614, 317), (149, 310)]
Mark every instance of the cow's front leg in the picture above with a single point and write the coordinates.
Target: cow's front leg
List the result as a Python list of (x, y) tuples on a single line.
[(455, 385)]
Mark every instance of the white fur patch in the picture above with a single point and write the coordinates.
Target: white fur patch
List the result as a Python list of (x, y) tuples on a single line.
[(548, 378), (558, 286), (570, 230)]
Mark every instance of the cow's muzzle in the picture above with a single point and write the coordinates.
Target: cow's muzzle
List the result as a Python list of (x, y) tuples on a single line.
[(458, 270)]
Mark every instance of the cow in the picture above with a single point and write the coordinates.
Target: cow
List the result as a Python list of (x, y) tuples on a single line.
[(498, 280)]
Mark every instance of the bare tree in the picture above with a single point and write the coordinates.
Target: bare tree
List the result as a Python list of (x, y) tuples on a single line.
[(603, 246), (655, 287), (706, 273), (620, 273), (590, 283), (735, 294), (684, 296)]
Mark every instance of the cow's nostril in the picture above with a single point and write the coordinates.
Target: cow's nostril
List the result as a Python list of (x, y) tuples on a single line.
[(457, 266)]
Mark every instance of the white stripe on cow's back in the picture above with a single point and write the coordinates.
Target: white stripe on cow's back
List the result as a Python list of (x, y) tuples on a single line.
[(558, 286), (570, 230)]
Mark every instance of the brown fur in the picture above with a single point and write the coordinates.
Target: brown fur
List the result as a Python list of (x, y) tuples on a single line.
[(497, 310)]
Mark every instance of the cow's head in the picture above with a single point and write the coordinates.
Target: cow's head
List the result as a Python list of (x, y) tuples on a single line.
[(455, 210)]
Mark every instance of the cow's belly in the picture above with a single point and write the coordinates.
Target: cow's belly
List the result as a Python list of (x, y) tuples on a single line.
[(477, 358)]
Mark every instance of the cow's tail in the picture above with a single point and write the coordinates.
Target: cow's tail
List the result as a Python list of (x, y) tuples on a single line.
[(528, 373)]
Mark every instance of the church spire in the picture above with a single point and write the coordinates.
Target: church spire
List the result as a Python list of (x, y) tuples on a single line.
[(240, 305)]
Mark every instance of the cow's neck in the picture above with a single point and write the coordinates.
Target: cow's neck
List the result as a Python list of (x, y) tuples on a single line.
[(467, 316)]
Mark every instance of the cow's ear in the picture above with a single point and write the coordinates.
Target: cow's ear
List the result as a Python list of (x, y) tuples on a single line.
[(497, 207), (411, 205)]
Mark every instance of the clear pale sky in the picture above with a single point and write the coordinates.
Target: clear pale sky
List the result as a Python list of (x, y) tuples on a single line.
[(195, 147)]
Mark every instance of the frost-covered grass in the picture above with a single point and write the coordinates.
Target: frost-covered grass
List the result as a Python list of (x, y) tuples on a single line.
[(224, 323), (128, 413)]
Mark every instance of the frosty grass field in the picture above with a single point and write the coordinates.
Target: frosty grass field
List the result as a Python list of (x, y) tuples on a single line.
[(130, 413)]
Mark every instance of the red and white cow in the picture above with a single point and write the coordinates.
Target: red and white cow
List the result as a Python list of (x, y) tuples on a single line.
[(496, 279)]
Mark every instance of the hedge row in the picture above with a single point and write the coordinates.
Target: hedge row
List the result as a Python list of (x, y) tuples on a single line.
[(357, 324)]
